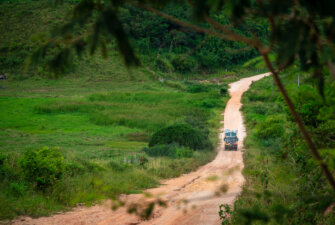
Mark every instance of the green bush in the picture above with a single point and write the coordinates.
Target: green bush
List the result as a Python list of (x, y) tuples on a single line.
[(197, 88), (272, 127), (183, 134), (183, 152), (210, 103), (17, 189), (2, 159), (43, 167), (172, 150), (223, 91), (163, 65), (183, 64), (9, 169)]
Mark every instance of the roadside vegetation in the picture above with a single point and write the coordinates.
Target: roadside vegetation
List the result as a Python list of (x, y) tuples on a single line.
[(284, 185)]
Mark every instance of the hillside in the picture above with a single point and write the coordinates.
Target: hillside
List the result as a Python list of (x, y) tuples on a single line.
[(160, 44)]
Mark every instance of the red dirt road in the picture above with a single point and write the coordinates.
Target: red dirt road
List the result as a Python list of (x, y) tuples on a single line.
[(192, 199)]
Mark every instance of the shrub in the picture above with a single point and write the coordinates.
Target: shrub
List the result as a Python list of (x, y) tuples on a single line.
[(210, 103), (223, 91), (272, 127), (142, 160), (9, 169), (163, 65), (197, 88), (183, 152), (17, 189), (2, 159), (43, 167), (183, 64), (172, 150), (183, 134), (208, 60)]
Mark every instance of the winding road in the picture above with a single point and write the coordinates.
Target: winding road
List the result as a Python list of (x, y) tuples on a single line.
[(192, 199)]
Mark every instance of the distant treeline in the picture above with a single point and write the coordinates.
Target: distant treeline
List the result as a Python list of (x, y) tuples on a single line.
[(170, 47), (159, 43)]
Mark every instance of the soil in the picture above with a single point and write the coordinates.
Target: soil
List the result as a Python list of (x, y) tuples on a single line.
[(192, 199)]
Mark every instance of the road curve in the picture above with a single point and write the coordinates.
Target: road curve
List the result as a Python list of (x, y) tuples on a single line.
[(192, 199)]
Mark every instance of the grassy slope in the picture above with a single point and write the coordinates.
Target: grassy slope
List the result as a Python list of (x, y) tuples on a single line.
[(275, 186), (262, 171)]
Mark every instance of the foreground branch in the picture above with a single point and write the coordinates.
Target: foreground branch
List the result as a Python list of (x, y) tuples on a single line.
[(193, 27), (236, 37), (331, 68)]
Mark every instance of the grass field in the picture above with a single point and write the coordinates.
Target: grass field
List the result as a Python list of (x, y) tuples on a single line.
[(101, 126)]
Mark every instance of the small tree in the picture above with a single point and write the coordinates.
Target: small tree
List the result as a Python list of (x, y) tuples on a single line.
[(43, 167)]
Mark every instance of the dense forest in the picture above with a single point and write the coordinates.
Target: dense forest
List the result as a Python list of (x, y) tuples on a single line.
[(162, 45), (104, 98)]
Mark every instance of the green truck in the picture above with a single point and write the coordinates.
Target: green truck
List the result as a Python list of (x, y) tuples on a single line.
[(230, 140)]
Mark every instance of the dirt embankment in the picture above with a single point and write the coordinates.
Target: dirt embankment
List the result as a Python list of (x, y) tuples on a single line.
[(193, 198)]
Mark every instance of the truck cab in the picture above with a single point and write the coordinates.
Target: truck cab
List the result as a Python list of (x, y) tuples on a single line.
[(230, 140)]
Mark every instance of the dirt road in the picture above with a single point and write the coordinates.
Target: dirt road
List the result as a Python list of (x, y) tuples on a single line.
[(193, 198)]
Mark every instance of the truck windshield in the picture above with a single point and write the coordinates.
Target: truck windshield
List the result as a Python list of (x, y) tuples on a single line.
[(231, 139), (230, 134)]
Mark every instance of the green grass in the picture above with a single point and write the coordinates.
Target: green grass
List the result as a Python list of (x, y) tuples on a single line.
[(269, 180), (284, 185), (96, 124)]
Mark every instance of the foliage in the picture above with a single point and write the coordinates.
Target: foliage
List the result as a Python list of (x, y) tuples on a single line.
[(308, 103), (211, 103), (270, 128), (225, 212), (164, 65), (277, 157), (183, 134), (172, 150), (157, 41), (183, 64), (43, 167), (197, 88)]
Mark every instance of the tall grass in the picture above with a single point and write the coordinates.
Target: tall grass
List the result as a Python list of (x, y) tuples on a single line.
[(283, 183)]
